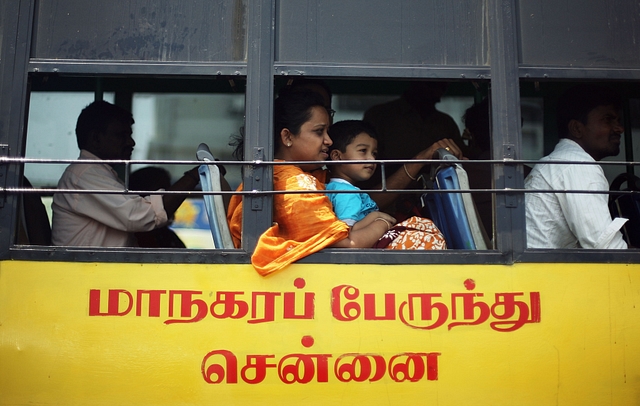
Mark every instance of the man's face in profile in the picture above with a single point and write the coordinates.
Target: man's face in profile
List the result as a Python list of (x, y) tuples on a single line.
[(600, 136), (116, 141)]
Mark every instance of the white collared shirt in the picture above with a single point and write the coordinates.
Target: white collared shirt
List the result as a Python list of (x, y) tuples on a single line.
[(100, 220), (570, 220)]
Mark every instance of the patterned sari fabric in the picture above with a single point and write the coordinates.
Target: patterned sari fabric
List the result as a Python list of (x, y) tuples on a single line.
[(415, 233), (304, 223)]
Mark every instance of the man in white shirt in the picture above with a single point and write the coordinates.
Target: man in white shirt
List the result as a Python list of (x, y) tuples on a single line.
[(589, 129), (103, 131)]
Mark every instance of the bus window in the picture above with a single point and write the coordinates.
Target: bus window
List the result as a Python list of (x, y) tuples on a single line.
[(404, 129), (168, 127), (578, 152)]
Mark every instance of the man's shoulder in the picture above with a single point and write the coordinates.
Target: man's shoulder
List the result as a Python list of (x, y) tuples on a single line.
[(84, 175)]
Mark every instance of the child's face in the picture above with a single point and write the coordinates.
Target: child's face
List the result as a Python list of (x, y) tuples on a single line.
[(363, 147)]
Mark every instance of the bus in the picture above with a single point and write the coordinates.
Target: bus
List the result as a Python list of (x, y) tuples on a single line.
[(198, 325)]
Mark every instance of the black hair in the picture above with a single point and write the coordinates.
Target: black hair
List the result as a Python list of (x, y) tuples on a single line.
[(342, 133), (303, 84), (150, 178), (477, 121), (578, 101), (290, 110), (96, 117)]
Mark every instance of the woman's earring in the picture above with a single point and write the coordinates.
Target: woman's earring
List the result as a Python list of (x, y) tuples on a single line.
[(288, 144)]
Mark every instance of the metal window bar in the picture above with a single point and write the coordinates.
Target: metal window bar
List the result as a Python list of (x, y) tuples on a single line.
[(259, 163)]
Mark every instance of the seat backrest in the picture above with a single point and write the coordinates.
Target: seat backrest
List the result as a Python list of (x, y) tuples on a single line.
[(455, 213), (34, 226), (214, 204)]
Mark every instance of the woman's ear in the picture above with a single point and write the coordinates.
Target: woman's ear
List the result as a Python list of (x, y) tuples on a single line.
[(335, 155), (286, 137)]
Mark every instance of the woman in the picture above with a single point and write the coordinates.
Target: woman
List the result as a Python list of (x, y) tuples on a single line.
[(303, 223)]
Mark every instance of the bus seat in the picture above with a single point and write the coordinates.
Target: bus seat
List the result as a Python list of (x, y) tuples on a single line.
[(455, 213), (214, 205), (34, 227)]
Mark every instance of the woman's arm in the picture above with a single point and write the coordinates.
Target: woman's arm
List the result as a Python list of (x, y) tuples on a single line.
[(368, 231), (403, 177)]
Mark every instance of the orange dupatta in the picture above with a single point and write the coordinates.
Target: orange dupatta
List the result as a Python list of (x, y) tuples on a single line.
[(305, 223)]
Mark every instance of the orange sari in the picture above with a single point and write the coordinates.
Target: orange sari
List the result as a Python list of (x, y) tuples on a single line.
[(304, 223)]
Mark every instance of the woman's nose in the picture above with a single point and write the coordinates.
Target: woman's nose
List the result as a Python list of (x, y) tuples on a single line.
[(327, 140)]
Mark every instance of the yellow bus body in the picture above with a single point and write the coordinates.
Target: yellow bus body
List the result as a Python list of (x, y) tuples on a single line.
[(319, 334)]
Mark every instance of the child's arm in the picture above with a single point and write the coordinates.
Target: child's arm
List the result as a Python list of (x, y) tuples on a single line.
[(367, 231)]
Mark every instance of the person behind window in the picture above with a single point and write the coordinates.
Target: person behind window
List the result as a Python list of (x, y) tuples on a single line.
[(478, 132), (304, 223), (154, 178), (589, 129), (103, 131), (406, 125), (356, 140)]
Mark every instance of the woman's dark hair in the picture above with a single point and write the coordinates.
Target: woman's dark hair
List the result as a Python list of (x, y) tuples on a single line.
[(290, 110), (96, 117), (342, 133), (302, 84), (577, 102)]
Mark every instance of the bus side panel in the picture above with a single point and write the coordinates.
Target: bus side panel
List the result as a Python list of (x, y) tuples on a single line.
[(168, 334)]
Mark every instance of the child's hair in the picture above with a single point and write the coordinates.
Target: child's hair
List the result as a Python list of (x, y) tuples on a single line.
[(342, 133)]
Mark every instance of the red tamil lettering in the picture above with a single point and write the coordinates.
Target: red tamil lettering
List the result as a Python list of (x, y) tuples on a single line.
[(351, 310), (370, 307), (290, 306), (410, 366), (228, 370), (154, 302), (508, 304), (432, 366), (259, 365), (113, 303), (231, 307), (360, 368), (269, 307), (469, 306), (427, 307), (186, 306), (304, 363)]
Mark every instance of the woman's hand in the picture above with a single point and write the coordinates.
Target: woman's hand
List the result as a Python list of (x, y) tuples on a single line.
[(446, 143)]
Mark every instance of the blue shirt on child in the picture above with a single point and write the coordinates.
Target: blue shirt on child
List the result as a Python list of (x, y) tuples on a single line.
[(349, 207)]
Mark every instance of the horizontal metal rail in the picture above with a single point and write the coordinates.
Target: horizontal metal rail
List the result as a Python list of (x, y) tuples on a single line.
[(257, 163)]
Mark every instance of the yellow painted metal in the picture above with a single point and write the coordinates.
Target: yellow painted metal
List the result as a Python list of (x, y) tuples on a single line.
[(585, 349)]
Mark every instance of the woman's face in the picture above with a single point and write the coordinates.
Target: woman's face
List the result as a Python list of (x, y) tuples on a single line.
[(311, 143)]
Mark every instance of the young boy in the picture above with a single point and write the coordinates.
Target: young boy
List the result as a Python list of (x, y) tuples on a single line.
[(354, 140)]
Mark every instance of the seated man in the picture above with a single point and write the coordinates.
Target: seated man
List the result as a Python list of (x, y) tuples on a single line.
[(589, 130), (103, 131)]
